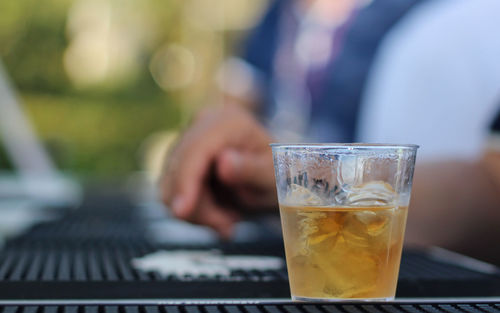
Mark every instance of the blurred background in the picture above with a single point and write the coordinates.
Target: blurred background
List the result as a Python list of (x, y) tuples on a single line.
[(106, 83)]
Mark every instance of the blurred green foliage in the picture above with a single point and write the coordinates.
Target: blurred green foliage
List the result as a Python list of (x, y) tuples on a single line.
[(33, 40), (94, 131), (98, 136)]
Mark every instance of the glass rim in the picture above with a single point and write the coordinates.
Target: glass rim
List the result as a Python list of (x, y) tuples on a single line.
[(347, 146)]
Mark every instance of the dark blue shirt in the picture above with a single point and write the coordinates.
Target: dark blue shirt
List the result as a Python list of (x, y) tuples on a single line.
[(336, 104)]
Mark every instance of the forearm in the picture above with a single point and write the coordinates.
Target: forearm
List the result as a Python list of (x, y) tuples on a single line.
[(455, 205)]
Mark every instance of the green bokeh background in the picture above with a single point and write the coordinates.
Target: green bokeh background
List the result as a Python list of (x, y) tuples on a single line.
[(96, 131)]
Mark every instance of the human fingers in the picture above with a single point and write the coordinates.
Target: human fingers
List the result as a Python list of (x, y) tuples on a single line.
[(212, 133), (208, 212), (186, 173), (253, 169)]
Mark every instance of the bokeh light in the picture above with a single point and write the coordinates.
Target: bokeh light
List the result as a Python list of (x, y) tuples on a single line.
[(173, 66), (223, 15), (108, 75)]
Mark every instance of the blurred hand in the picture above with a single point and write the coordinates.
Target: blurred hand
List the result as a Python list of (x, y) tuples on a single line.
[(221, 167)]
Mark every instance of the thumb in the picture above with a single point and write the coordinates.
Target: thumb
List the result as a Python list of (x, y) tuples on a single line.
[(246, 168)]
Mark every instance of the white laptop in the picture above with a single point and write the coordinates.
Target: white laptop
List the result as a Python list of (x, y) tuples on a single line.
[(34, 184)]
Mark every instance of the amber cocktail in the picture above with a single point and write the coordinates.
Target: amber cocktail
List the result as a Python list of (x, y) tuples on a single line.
[(343, 212)]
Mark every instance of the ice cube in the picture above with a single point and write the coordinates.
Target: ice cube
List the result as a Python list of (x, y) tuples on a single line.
[(314, 240), (355, 237), (350, 169), (375, 222), (299, 195), (354, 276), (308, 225), (369, 194), (366, 217)]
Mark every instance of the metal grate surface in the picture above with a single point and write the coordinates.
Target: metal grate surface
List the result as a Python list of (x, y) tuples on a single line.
[(87, 254), (103, 218), (111, 261), (103, 270), (446, 307), (98, 241)]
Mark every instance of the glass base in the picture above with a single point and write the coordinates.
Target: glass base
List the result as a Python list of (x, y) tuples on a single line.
[(305, 299)]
